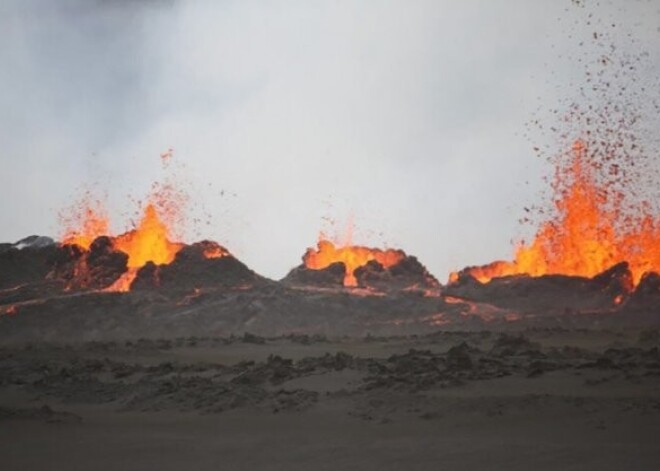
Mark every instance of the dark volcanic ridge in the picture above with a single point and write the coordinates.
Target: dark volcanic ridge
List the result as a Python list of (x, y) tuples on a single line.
[(192, 271), (58, 292), (39, 268), (611, 291)]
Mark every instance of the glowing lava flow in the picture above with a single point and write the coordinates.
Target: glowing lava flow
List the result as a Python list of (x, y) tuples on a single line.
[(352, 257), (590, 232)]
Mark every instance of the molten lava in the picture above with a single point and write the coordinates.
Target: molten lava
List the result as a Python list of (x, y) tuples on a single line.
[(147, 243), (163, 219), (215, 251), (352, 257), (590, 232)]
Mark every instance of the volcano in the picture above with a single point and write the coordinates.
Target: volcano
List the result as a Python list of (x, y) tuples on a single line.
[(349, 266), (593, 228), (65, 291), (547, 294), (200, 266), (38, 271), (594, 254), (597, 251), (88, 260)]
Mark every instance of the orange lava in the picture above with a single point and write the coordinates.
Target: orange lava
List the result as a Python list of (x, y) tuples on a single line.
[(162, 220), (147, 243), (123, 283), (352, 257), (589, 233), (215, 251)]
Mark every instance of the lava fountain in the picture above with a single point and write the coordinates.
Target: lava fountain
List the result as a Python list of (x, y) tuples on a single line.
[(151, 240), (148, 242), (591, 231), (604, 207), (352, 256)]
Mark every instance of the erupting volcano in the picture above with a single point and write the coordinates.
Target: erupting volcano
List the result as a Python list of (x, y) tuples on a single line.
[(151, 241), (591, 232), (595, 246), (148, 242), (603, 207), (333, 264), (352, 256)]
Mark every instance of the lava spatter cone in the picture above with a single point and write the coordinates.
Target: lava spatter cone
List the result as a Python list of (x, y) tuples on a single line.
[(349, 266)]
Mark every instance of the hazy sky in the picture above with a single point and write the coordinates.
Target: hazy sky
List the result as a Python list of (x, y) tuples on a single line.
[(408, 116)]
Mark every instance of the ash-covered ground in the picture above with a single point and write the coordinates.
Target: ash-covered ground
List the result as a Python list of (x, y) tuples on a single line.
[(542, 398)]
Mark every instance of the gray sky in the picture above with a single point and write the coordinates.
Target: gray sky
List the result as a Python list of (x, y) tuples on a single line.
[(408, 116)]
